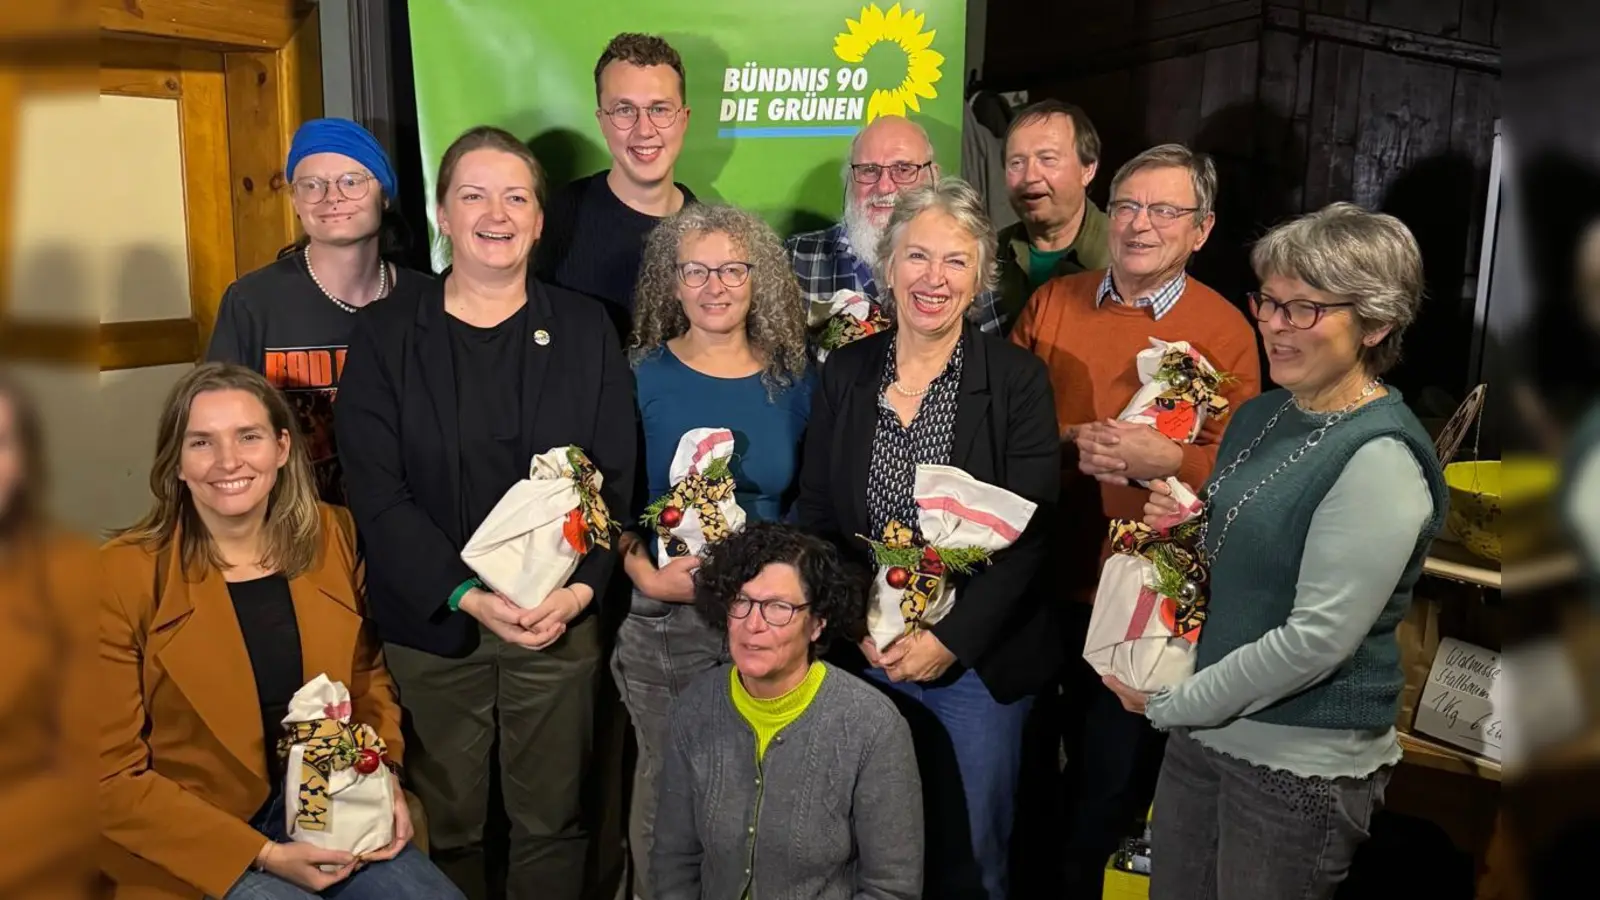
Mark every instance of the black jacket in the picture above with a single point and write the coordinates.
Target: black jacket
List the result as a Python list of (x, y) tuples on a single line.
[(1003, 624), (395, 419)]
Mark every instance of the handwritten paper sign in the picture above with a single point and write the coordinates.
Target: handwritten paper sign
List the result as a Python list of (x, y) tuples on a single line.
[(1463, 702)]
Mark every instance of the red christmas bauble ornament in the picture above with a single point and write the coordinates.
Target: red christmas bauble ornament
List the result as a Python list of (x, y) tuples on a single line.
[(368, 761), (898, 577), (671, 516)]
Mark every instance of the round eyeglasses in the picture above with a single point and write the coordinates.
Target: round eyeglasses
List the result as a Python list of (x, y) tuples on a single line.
[(625, 115), (351, 185), (778, 613), (1302, 314), (901, 173), (733, 274)]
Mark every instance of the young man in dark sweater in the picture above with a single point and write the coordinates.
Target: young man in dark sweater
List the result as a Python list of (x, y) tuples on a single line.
[(595, 227)]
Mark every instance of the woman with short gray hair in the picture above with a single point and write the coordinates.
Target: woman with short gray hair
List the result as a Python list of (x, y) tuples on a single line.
[(1327, 496)]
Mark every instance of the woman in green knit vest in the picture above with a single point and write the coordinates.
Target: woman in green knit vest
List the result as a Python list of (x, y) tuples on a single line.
[(1326, 498), (785, 778)]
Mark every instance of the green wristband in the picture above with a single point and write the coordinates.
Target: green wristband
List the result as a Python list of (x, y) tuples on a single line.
[(461, 591)]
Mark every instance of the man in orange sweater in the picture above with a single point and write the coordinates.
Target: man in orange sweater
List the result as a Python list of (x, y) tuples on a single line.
[(1088, 328)]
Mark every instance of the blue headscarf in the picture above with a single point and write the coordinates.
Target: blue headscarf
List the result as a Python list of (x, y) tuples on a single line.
[(344, 137)]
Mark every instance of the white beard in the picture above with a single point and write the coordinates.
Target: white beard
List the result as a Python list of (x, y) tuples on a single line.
[(862, 233)]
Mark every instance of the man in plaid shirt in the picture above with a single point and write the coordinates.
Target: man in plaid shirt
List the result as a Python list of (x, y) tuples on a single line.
[(890, 154)]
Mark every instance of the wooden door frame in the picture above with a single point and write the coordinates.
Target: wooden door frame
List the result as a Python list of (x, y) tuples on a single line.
[(260, 60)]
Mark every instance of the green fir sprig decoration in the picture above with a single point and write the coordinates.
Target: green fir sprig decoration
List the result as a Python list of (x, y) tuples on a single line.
[(832, 334), (1169, 580), (1175, 365), (717, 471), (957, 559)]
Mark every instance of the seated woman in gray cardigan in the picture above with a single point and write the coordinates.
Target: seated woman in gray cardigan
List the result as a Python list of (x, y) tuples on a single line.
[(1318, 518), (783, 776)]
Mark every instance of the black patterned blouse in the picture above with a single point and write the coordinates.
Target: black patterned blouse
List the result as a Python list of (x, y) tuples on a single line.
[(897, 450)]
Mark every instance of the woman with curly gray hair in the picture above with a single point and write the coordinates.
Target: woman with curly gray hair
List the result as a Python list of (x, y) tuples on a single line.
[(1325, 500), (719, 342)]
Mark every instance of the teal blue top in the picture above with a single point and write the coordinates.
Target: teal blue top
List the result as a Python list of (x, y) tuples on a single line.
[(1042, 264), (1298, 667)]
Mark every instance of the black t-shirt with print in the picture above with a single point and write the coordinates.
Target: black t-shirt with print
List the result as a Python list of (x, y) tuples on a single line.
[(277, 321)]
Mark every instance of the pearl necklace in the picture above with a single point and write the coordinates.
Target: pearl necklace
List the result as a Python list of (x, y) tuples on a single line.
[(383, 283)]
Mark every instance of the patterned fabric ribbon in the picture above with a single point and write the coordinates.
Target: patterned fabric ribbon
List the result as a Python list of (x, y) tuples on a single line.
[(589, 524), (1182, 579), (1190, 387), (701, 491), (842, 328), (918, 569), (330, 746)]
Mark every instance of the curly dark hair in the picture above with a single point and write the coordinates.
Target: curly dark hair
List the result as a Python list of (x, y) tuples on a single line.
[(837, 594), (641, 50)]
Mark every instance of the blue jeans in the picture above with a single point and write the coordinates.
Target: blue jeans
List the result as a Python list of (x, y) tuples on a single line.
[(969, 754), (409, 876)]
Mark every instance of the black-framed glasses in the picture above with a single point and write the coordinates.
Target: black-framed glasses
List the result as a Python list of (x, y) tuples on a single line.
[(901, 173), (1124, 211), (733, 274), (1302, 314), (625, 115), (778, 613), (351, 185)]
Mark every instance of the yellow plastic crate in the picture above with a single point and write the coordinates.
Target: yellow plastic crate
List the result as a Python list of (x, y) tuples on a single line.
[(1120, 885)]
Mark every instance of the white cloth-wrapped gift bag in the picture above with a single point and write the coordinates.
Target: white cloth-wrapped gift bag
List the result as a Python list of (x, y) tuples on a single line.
[(701, 508), (963, 521), (337, 792), (534, 538), (1179, 390), (1144, 638)]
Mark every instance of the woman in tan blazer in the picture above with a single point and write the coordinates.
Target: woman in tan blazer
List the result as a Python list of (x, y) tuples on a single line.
[(236, 589), (47, 670)]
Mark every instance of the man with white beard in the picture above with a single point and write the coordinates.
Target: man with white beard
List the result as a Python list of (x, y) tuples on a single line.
[(837, 266)]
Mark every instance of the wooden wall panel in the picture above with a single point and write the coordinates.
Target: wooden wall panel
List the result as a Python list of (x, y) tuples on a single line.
[(1404, 118), (208, 200), (257, 146), (1168, 92), (261, 24), (1335, 102)]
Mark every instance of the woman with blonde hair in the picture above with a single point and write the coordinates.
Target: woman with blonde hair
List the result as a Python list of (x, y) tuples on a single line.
[(234, 590), (719, 342)]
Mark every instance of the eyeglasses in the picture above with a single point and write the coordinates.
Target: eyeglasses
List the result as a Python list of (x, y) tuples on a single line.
[(778, 613), (352, 186), (733, 274), (625, 115), (1161, 214), (902, 173), (1302, 314)]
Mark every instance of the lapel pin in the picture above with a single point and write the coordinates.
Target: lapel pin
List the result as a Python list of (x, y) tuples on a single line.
[(541, 337)]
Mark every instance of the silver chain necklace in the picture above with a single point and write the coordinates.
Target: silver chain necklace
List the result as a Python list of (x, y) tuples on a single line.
[(383, 283), (1314, 438)]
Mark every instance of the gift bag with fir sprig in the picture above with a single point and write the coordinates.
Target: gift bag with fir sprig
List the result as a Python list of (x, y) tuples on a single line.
[(338, 791), (701, 508), (1151, 600), (844, 318), (532, 541), (1179, 390), (962, 522)]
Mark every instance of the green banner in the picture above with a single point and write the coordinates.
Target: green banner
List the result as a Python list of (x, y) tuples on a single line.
[(776, 89)]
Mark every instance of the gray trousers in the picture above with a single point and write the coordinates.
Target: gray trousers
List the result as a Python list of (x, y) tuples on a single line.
[(661, 648), (542, 704), (1227, 830)]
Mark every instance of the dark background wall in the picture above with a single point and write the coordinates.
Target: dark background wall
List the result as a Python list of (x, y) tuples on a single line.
[(1388, 103)]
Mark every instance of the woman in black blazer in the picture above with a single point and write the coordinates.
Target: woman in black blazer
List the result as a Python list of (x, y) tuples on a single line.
[(448, 394), (935, 390)]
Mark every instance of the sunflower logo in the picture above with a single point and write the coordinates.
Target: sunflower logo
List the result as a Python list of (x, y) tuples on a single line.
[(902, 29)]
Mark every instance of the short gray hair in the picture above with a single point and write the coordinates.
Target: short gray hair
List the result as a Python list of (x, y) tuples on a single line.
[(1202, 171), (1370, 259), (956, 199)]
